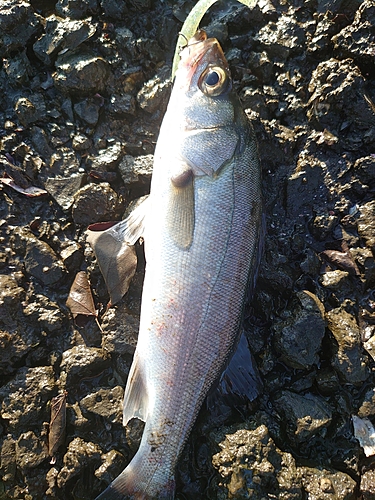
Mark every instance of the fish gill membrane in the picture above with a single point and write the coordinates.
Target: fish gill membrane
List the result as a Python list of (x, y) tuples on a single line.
[(202, 226)]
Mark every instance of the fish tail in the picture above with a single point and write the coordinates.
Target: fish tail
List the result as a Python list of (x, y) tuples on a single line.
[(129, 485)]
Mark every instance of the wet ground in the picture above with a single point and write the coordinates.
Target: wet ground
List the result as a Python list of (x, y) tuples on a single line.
[(84, 86)]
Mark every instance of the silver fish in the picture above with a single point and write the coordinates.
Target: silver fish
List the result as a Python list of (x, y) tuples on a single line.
[(202, 227)]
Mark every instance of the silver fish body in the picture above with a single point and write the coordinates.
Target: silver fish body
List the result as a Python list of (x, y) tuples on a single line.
[(202, 227)]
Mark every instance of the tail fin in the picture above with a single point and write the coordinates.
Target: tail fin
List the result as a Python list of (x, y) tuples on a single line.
[(130, 486)]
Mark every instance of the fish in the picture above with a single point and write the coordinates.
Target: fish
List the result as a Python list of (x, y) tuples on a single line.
[(202, 231)]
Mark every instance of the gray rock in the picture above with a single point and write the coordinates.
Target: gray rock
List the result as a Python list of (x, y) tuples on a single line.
[(64, 189), (298, 339), (40, 142), (81, 73), (108, 158), (348, 360), (72, 256), (155, 93), (365, 169), (327, 484), (42, 263), (106, 403), (13, 14), (367, 486), (95, 203), (7, 462), (138, 169), (282, 38), (122, 106), (24, 398), (251, 464), (61, 34), (18, 69), (46, 313), (306, 415), (116, 9), (81, 361), (64, 162), (367, 408), (81, 142), (120, 331), (79, 454)]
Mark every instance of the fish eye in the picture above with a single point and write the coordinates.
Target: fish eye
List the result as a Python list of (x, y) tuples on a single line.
[(213, 81)]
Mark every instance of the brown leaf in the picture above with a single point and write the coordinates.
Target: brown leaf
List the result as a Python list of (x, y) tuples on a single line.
[(117, 261), (343, 260), (57, 424), (80, 299), (30, 191)]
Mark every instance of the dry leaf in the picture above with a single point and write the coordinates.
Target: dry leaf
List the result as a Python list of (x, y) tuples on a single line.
[(80, 299), (30, 191), (117, 260), (57, 425)]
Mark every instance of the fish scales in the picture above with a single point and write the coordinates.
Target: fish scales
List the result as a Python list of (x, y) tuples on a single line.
[(202, 231)]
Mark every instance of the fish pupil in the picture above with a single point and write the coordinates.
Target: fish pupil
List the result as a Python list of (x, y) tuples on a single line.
[(212, 78)]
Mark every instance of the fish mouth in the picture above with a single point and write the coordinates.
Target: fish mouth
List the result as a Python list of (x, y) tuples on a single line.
[(199, 53)]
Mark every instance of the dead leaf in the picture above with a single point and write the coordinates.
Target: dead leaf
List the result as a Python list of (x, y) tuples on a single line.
[(117, 261), (57, 425), (80, 299), (31, 191)]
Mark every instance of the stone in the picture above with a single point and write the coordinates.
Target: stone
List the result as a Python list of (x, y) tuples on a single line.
[(366, 223), (76, 9), (30, 109), (113, 463), (154, 94), (13, 14), (106, 403), (120, 331), (138, 169), (31, 451), (81, 361), (64, 189), (88, 111), (327, 484), (367, 485), (95, 203), (43, 263), (79, 454)]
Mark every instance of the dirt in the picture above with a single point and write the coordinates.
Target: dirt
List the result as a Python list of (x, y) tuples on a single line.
[(84, 86)]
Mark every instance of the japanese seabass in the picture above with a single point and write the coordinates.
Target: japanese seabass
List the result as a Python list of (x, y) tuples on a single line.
[(201, 227)]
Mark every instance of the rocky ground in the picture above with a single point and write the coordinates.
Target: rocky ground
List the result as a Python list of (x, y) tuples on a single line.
[(84, 86)]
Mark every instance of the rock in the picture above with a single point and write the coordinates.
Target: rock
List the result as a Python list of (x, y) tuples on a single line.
[(88, 111), (282, 38), (72, 256), (370, 346), (40, 142), (24, 398), (327, 381), (115, 9), (64, 162), (45, 313), (347, 359), (64, 189), (13, 14), (252, 465), (120, 331), (367, 486), (108, 158), (365, 169), (81, 142), (30, 110), (61, 34), (367, 408), (80, 454), (42, 263), (113, 464), (335, 280), (31, 451), (7, 461), (298, 339), (76, 9), (18, 69), (324, 484), (155, 93), (306, 415), (95, 203), (106, 403), (134, 170), (122, 106), (81, 361), (81, 73), (366, 223)]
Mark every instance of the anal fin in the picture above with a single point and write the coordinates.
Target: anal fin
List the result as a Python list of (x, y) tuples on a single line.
[(136, 396)]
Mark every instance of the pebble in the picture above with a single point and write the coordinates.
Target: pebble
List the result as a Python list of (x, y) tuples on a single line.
[(95, 203), (106, 403), (14, 14), (64, 189), (367, 486), (80, 361), (326, 484), (136, 169)]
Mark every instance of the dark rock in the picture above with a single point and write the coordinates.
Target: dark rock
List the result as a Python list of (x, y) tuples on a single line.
[(326, 484), (95, 203), (251, 465), (61, 34), (30, 110), (367, 408), (31, 451), (348, 359), (88, 111), (18, 69), (13, 14), (155, 93), (134, 170), (72, 256), (76, 9), (306, 415), (40, 142), (108, 158), (24, 398), (115, 9), (327, 381), (120, 331), (366, 223), (113, 464), (121, 106), (365, 169), (81, 361), (81, 73), (367, 486), (298, 339), (64, 162), (63, 190), (8, 463), (45, 313), (42, 263), (106, 403), (81, 142), (282, 38)]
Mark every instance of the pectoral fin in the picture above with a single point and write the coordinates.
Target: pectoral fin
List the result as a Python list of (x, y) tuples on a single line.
[(136, 397), (180, 213)]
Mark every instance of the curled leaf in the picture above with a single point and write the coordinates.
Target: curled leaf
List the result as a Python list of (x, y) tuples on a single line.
[(117, 260), (80, 299), (31, 191), (57, 425)]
